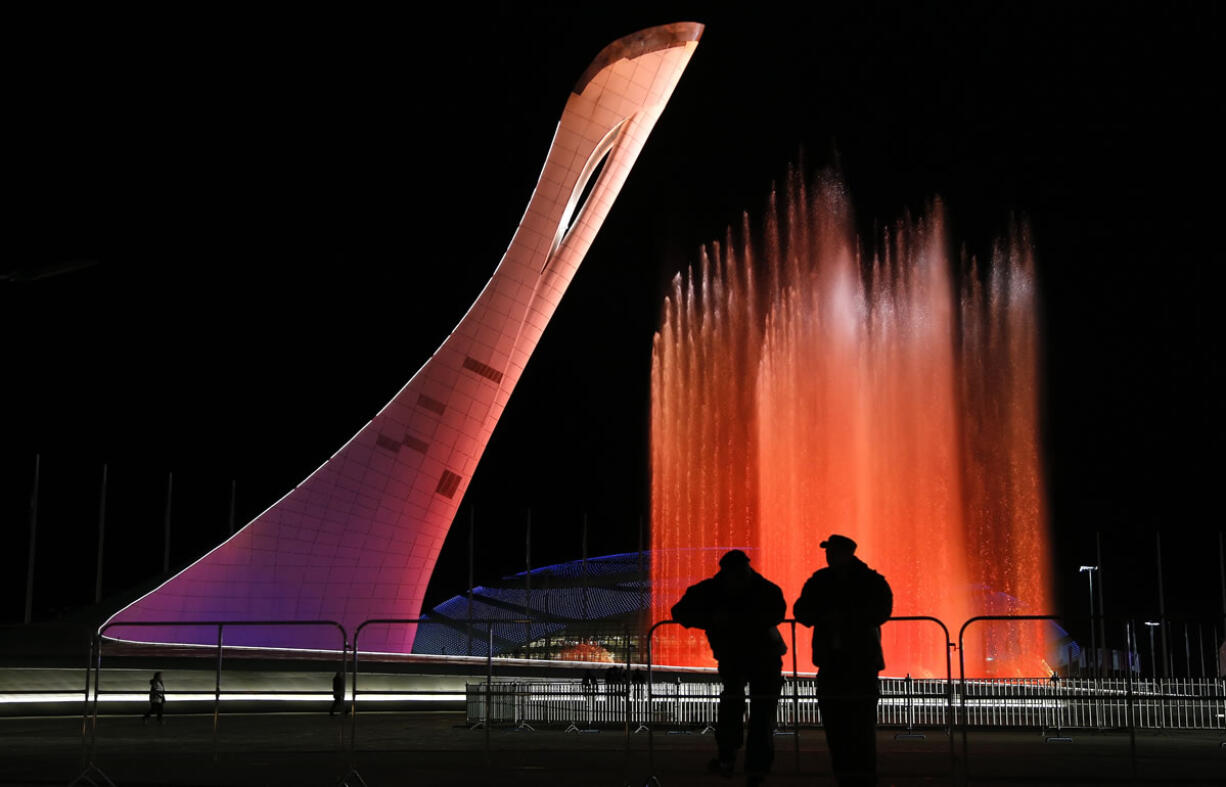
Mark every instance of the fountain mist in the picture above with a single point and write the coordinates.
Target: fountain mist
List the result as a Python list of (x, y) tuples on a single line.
[(800, 390)]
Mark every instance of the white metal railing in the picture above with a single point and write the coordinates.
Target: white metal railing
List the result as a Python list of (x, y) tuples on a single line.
[(1067, 703)]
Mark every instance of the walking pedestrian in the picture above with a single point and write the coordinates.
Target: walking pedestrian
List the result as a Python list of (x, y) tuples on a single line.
[(157, 698)]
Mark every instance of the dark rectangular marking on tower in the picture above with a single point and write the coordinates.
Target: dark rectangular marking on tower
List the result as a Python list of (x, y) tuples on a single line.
[(433, 405), (416, 444), (448, 484), (383, 441), (489, 372)]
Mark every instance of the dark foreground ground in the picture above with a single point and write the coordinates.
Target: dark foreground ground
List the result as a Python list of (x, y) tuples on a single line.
[(436, 749)]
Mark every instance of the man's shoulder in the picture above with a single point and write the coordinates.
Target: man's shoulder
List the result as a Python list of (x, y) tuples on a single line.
[(870, 574), (701, 587), (869, 570), (765, 586), (817, 579)]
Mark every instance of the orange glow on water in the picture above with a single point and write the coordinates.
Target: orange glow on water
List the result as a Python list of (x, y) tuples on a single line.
[(799, 390)]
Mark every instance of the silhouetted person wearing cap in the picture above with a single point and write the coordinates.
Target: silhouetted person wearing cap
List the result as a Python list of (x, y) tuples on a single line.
[(740, 610), (846, 604)]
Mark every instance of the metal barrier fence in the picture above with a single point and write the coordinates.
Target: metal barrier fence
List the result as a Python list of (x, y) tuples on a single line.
[(1049, 704), (999, 703), (487, 702), (89, 720), (791, 711)]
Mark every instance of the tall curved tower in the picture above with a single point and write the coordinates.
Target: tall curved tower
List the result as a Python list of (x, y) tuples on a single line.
[(358, 539)]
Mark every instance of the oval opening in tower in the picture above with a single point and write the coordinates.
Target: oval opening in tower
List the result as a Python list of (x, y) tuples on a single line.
[(581, 201), (584, 186)]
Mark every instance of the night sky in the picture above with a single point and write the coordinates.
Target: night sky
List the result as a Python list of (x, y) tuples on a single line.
[(290, 212)]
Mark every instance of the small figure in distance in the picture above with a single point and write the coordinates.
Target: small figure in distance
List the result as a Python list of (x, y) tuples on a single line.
[(740, 611), (157, 698), (338, 694), (846, 604)]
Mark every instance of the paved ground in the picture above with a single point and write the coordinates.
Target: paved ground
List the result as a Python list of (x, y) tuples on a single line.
[(436, 749)]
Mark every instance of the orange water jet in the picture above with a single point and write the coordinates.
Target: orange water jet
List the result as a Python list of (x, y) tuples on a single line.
[(801, 390)]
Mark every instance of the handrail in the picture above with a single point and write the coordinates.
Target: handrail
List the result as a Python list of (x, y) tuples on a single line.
[(96, 643), (949, 683), (94, 662), (795, 680), (962, 666), (489, 668)]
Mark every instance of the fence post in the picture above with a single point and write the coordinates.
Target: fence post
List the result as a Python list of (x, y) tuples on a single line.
[(489, 684), (795, 701), (217, 689), (93, 735), (91, 773), (89, 660), (626, 691), (353, 702)]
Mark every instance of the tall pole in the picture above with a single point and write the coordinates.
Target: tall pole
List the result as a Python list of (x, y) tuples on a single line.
[(527, 579), (1187, 649), (233, 498), (584, 564), (472, 516), (1166, 654), (33, 540), (1102, 587), (1093, 634), (1218, 670), (1089, 572), (642, 580), (170, 485), (1221, 566), (1200, 647), (101, 537), (1153, 657), (1128, 645)]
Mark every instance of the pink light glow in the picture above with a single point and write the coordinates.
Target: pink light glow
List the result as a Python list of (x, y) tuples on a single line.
[(799, 392)]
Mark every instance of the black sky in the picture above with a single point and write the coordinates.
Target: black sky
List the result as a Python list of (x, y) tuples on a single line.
[(291, 212)]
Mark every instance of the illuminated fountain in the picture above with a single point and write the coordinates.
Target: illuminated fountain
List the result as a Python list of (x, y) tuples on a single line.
[(800, 389)]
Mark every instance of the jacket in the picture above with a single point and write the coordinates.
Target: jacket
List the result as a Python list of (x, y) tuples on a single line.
[(740, 623), (846, 608)]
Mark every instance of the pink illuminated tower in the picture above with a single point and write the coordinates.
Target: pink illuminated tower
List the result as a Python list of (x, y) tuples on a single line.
[(358, 539)]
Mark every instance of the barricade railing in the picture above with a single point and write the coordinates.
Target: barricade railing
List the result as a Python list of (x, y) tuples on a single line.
[(995, 703), (1056, 703), (1095, 702), (792, 692), (91, 770), (487, 700)]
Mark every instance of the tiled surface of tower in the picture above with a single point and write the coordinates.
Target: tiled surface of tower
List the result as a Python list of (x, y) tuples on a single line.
[(358, 539)]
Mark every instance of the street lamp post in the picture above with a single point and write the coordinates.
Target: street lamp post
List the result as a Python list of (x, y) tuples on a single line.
[(1089, 571), (1151, 625)]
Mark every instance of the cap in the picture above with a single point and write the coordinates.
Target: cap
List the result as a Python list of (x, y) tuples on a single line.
[(733, 557), (839, 542)]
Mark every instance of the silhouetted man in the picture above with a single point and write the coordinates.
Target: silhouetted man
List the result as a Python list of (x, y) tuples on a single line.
[(846, 603), (740, 609), (157, 698), (338, 694)]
